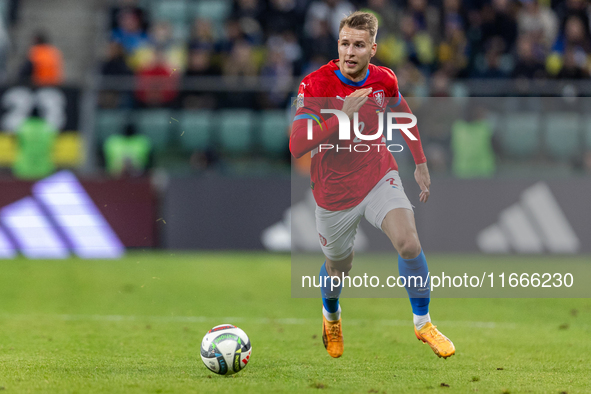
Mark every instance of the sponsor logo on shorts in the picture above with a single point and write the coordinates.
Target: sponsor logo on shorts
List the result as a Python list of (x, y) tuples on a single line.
[(391, 180), (322, 240)]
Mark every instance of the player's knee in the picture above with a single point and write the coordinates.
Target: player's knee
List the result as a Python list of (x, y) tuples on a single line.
[(339, 268), (409, 247), (339, 271)]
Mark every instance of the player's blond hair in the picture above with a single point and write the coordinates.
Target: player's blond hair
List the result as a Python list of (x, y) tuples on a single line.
[(361, 21)]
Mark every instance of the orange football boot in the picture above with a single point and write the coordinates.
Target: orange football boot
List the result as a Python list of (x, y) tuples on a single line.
[(440, 344), (332, 336)]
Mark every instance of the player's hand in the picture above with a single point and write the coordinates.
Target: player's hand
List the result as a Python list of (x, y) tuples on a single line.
[(424, 180), (355, 101)]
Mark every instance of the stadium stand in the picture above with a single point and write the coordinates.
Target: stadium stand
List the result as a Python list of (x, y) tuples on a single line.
[(273, 132), (235, 131), (587, 134), (110, 122), (221, 59), (520, 134), (196, 130), (563, 135), (156, 124)]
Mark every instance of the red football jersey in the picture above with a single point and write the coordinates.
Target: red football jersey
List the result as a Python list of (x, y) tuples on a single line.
[(341, 178)]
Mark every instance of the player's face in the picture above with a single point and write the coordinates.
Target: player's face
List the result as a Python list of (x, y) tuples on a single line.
[(355, 52)]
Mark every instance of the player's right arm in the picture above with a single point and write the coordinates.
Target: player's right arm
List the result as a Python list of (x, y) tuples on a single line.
[(308, 107), (323, 127)]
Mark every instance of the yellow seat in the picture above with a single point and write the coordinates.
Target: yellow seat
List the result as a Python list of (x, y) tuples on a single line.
[(68, 150), (7, 149)]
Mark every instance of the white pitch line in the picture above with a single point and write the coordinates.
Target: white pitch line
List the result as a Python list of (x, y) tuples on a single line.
[(259, 320)]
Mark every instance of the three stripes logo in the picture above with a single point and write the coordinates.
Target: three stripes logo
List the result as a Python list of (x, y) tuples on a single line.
[(58, 219), (533, 225)]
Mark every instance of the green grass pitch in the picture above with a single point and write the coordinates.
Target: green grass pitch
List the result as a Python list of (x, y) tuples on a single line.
[(135, 326)]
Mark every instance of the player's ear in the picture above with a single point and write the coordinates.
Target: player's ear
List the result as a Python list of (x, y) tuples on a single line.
[(374, 48)]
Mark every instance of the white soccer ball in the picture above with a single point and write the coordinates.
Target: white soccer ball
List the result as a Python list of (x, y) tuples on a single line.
[(225, 349)]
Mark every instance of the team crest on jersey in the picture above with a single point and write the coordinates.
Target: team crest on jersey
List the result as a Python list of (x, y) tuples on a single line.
[(300, 103), (379, 97)]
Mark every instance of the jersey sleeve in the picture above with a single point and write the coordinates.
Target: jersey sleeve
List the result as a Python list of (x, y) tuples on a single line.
[(399, 104), (392, 83), (309, 105)]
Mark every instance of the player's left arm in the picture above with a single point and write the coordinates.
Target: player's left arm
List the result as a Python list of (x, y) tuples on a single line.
[(416, 148)]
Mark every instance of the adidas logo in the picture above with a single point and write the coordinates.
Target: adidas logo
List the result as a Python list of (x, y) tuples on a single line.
[(534, 225), (58, 219)]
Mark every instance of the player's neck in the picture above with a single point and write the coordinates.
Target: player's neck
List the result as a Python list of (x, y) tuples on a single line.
[(355, 77)]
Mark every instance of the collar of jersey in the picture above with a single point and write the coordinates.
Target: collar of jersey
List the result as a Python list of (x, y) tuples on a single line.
[(348, 81)]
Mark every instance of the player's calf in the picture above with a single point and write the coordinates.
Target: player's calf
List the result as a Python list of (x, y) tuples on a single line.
[(331, 272)]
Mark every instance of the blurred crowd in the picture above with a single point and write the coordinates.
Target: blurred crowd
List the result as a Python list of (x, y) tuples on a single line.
[(426, 42)]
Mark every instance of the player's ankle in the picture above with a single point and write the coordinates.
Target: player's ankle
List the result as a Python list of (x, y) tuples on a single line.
[(420, 320), (332, 316)]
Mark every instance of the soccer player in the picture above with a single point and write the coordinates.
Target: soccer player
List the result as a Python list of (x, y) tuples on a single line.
[(351, 183)]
